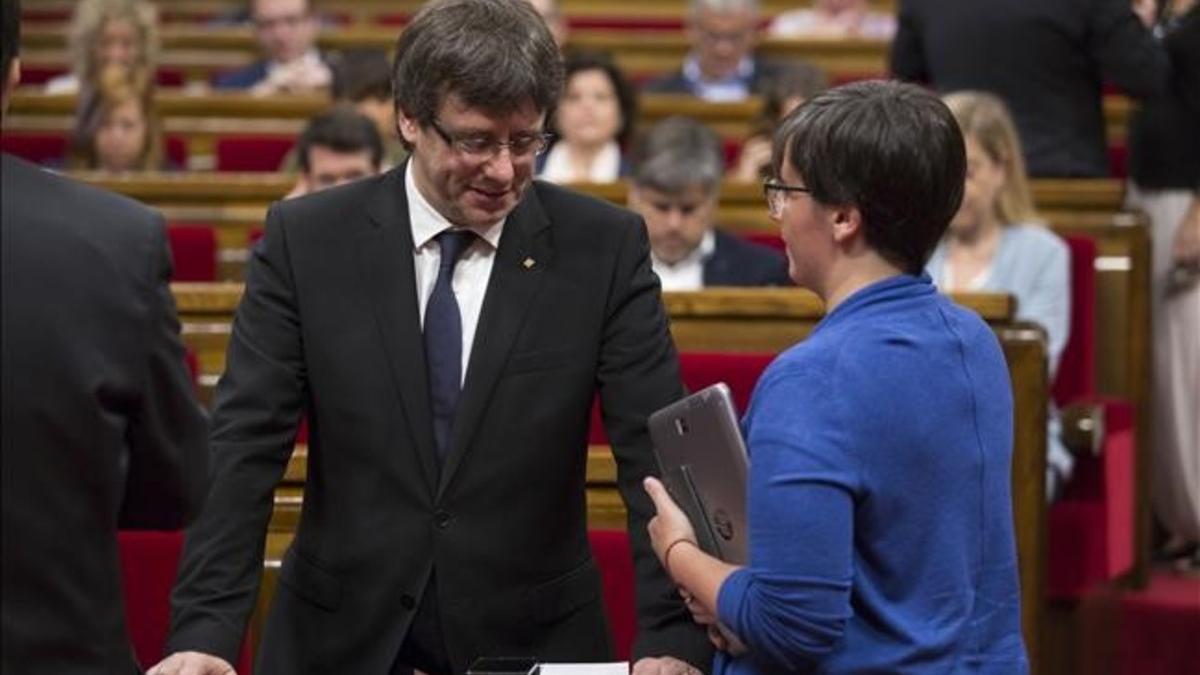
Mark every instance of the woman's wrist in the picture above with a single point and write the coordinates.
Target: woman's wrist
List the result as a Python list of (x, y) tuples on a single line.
[(666, 559)]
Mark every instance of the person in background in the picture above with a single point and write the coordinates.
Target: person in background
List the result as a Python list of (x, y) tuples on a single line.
[(1164, 141), (1048, 61), (793, 84), (108, 33), (834, 19), (336, 148), (996, 242), (116, 126), (287, 34), (721, 65), (879, 498), (418, 320), (363, 79), (592, 123), (101, 427), (675, 186), (552, 14)]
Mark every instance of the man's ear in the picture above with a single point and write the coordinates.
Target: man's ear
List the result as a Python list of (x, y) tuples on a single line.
[(407, 126), (847, 223)]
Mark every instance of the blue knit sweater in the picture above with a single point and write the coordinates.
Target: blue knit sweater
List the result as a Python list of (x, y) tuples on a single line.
[(880, 511)]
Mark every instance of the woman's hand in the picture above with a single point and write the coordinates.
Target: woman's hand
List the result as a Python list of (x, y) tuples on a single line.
[(670, 527), (1185, 250)]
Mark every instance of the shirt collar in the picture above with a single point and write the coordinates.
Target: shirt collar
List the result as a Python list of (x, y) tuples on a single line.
[(740, 77), (428, 223), (708, 244)]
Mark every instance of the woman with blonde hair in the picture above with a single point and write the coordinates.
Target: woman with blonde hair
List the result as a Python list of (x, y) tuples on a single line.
[(996, 241), (116, 125), (109, 33)]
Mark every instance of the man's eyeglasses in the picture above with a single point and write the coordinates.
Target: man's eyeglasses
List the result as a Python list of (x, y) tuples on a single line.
[(776, 194), (484, 148)]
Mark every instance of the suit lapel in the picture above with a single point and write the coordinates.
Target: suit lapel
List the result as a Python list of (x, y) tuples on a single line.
[(385, 253), (517, 273)]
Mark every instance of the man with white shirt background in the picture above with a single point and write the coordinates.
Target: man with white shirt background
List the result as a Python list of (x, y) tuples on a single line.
[(675, 187), (286, 31)]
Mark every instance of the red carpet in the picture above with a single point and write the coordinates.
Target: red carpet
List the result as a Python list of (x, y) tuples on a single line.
[(1159, 627)]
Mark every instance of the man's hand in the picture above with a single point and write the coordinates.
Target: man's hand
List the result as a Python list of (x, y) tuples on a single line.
[(664, 665), (192, 663), (1185, 249), (1146, 11)]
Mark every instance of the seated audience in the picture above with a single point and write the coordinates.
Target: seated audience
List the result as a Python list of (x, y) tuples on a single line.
[(592, 122), (116, 126), (834, 19), (109, 33), (995, 242), (287, 34), (675, 186), (721, 65), (336, 148), (879, 494), (793, 84)]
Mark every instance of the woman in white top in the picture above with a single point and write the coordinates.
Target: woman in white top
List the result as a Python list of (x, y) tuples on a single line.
[(109, 33), (592, 123), (834, 19)]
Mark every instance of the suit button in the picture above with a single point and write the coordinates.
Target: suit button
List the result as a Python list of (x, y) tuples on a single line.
[(441, 519), (407, 601)]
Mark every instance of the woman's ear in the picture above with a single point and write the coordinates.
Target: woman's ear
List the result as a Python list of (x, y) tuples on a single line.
[(847, 223)]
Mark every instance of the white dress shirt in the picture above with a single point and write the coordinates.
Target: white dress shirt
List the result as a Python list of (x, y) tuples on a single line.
[(687, 274), (472, 272), (605, 168)]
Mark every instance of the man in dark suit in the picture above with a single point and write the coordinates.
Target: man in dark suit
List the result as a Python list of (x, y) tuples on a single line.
[(287, 32), (444, 327), (721, 65), (1048, 60), (100, 426), (675, 186)]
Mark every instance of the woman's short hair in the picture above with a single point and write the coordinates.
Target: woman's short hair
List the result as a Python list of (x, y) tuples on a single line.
[(984, 118), (360, 74), (495, 55), (113, 88), (627, 102), (891, 150), (88, 22)]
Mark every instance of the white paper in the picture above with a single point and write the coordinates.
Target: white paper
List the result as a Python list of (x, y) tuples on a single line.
[(585, 668)]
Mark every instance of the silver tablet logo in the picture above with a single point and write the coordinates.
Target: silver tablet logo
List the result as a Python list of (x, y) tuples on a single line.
[(723, 524)]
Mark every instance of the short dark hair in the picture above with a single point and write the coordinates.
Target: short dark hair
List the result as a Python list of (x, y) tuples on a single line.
[(495, 55), (676, 154), (892, 150), (579, 62), (342, 130), (10, 33), (360, 74)]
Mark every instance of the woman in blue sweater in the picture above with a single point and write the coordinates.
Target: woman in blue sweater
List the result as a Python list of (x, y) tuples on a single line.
[(880, 514)]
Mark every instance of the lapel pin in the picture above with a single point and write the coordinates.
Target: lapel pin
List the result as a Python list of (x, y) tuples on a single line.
[(528, 263)]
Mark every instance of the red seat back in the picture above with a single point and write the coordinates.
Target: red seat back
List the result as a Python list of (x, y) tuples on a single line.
[(1076, 375), (611, 550), (194, 248), (255, 152), (39, 148)]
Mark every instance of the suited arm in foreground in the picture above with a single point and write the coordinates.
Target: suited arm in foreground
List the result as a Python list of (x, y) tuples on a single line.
[(639, 373)]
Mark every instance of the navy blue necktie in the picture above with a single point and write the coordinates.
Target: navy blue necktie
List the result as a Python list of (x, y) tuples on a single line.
[(443, 339)]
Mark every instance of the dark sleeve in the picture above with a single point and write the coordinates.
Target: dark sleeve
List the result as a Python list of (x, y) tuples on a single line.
[(167, 434), (257, 408), (639, 373), (1127, 52), (1183, 47), (907, 55)]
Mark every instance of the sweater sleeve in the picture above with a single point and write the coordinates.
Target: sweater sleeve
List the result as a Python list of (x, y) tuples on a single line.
[(791, 603)]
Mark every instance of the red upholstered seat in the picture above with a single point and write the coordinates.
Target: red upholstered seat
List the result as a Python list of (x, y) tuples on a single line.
[(771, 239), (194, 248), (257, 152), (1091, 528), (39, 148), (1118, 161), (611, 550), (149, 561)]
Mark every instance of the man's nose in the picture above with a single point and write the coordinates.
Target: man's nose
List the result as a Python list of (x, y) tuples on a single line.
[(499, 167)]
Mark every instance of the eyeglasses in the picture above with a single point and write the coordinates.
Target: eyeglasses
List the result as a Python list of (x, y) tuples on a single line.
[(776, 194), (483, 148)]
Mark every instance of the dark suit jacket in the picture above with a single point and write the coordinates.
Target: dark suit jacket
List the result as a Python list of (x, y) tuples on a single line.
[(100, 425), (329, 322), (243, 78), (676, 83), (737, 262), (1048, 60)]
